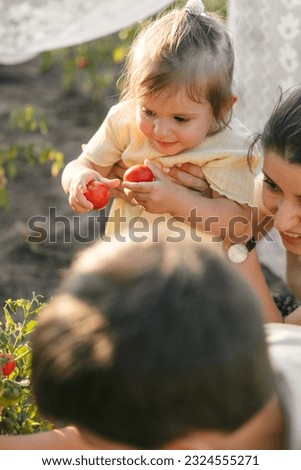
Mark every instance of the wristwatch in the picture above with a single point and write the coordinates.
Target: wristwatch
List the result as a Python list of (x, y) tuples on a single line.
[(239, 252)]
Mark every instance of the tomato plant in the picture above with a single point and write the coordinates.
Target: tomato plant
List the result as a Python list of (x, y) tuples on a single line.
[(27, 119), (98, 193), (138, 174), (9, 366), (18, 411), (82, 62)]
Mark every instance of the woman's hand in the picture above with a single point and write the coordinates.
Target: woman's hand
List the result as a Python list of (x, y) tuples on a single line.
[(294, 318), (191, 176), (118, 170)]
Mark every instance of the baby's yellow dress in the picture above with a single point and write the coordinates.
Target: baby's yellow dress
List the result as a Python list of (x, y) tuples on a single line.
[(222, 156)]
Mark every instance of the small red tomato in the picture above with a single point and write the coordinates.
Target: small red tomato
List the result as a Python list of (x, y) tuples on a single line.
[(98, 193), (138, 174), (10, 366), (82, 62)]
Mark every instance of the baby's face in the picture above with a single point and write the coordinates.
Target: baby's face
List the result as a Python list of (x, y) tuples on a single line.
[(172, 122)]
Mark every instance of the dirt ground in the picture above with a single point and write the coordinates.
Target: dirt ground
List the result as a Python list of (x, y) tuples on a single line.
[(72, 119)]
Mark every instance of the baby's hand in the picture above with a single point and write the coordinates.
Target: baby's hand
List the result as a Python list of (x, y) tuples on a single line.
[(78, 187), (156, 196), (118, 171)]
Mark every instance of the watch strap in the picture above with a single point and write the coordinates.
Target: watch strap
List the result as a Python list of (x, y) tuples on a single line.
[(251, 244)]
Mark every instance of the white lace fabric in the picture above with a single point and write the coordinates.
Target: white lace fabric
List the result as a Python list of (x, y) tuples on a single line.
[(28, 27), (267, 38), (266, 34)]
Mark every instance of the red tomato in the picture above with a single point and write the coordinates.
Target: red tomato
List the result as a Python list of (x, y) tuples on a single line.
[(138, 174), (98, 193), (9, 367), (82, 62)]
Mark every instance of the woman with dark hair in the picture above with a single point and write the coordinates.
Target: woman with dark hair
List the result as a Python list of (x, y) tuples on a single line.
[(281, 143), (280, 190)]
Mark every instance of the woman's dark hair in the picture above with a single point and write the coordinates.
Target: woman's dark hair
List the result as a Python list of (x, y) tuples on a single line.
[(282, 132), (149, 343)]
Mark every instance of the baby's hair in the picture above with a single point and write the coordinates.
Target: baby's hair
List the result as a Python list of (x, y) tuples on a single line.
[(183, 49), (282, 132)]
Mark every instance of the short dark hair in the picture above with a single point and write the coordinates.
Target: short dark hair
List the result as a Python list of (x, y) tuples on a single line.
[(151, 342), (282, 132)]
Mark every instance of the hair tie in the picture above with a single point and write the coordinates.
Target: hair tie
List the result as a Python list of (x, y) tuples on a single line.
[(195, 7)]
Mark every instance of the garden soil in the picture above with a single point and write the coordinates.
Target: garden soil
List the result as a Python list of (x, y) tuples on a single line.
[(38, 267)]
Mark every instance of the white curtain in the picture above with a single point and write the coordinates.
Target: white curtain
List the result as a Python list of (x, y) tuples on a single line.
[(267, 38), (266, 34), (28, 27), (267, 41)]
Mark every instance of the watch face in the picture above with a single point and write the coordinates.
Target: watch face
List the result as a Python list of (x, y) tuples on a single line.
[(238, 253)]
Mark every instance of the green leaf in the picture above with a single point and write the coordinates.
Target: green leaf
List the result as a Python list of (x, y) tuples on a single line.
[(31, 326), (8, 319), (20, 414)]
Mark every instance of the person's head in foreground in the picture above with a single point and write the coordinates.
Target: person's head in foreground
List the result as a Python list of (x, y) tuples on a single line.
[(150, 343), (281, 142)]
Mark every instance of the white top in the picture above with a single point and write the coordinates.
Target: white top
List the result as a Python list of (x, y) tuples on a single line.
[(284, 342)]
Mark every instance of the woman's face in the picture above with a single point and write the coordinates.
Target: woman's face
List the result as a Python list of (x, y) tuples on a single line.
[(282, 196)]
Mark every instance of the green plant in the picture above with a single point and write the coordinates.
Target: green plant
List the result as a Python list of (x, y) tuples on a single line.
[(218, 6), (28, 120), (91, 67), (19, 410)]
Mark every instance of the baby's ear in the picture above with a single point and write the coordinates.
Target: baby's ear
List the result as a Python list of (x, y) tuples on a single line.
[(234, 99), (229, 105)]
